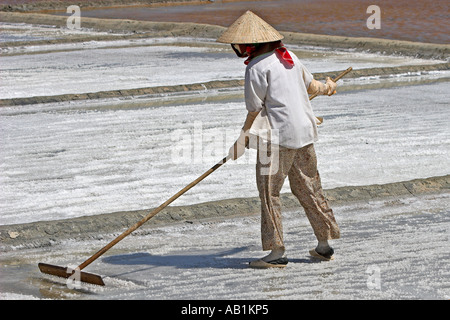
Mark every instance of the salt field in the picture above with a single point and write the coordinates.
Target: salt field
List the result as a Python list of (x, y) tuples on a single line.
[(82, 158), (92, 66), (391, 250), (78, 158), (62, 161)]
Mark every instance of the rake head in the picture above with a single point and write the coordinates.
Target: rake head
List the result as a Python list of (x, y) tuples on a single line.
[(74, 274)]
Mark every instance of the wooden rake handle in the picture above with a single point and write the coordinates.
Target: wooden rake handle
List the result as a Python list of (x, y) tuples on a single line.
[(169, 201), (340, 75), (151, 214)]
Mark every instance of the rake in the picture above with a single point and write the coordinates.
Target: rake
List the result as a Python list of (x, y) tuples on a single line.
[(78, 275)]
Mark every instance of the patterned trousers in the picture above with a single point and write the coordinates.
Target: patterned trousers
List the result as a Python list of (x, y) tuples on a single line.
[(300, 165)]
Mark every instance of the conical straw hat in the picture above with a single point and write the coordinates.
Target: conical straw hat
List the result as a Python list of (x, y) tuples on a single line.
[(249, 28)]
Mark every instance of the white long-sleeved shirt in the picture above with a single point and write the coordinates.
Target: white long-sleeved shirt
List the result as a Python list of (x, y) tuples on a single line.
[(280, 94)]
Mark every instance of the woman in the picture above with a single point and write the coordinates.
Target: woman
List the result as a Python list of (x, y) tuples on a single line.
[(280, 116)]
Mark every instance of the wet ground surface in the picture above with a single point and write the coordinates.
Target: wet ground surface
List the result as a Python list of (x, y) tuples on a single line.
[(417, 20), (390, 249)]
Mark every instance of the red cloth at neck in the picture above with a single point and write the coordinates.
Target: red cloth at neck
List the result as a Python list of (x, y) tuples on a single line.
[(283, 54)]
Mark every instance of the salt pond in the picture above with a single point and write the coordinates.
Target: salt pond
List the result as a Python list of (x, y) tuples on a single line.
[(66, 160)]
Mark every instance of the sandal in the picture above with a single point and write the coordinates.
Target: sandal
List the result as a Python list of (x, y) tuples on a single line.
[(327, 256), (261, 264)]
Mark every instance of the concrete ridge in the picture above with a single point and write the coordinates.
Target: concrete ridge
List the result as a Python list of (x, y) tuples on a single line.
[(47, 233)]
